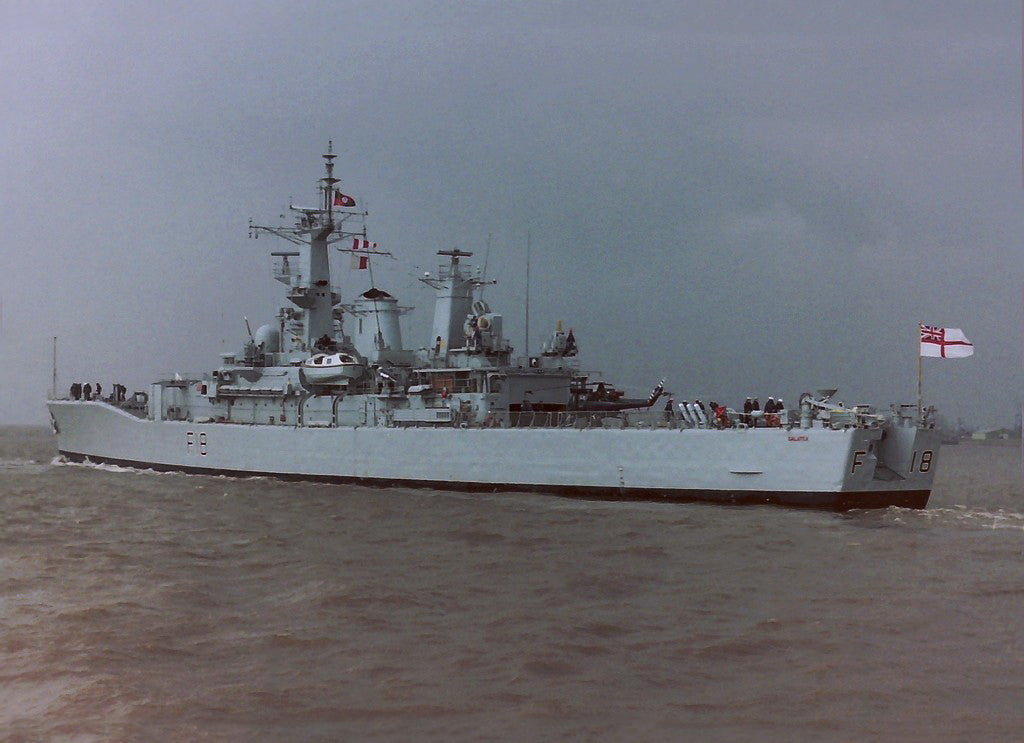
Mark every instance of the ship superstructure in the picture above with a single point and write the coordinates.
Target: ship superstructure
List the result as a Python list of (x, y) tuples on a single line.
[(328, 390)]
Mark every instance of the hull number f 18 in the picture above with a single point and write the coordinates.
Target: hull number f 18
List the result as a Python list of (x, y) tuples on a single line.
[(916, 465)]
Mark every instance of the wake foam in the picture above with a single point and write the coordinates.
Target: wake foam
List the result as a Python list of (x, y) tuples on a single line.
[(13, 464), (103, 467), (961, 516)]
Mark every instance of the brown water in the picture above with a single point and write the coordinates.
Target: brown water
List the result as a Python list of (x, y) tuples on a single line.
[(142, 606)]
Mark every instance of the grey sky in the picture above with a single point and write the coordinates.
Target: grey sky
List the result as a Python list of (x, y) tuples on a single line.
[(761, 199)]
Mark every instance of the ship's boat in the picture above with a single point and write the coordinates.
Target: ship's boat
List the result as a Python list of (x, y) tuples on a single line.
[(331, 368)]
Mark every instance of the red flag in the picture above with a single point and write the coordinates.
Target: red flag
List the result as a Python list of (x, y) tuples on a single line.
[(341, 199), (360, 262)]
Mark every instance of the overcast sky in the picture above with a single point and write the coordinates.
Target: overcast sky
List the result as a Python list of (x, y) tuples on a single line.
[(745, 197)]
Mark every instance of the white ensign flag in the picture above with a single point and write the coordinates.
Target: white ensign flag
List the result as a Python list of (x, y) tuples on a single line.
[(946, 343)]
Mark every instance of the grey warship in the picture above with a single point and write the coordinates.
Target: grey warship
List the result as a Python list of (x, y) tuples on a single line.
[(328, 391)]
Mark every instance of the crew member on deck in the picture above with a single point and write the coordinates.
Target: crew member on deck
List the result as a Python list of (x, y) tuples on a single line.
[(477, 335)]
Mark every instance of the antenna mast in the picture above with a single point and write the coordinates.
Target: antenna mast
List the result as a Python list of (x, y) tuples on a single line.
[(527, 294), (329, 182), (487, 257)]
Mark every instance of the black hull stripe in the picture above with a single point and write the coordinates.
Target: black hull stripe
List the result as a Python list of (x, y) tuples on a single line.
[(827, 500)]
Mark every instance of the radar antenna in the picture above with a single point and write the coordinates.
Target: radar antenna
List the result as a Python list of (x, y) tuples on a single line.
[(319, 221)]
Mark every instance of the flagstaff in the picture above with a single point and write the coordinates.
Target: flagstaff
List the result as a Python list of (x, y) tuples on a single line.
[(920, 355)]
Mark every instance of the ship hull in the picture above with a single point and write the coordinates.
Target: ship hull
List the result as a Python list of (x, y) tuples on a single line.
[(818, 468)]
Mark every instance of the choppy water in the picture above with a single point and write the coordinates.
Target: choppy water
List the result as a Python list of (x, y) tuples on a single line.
[(142, 606)]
